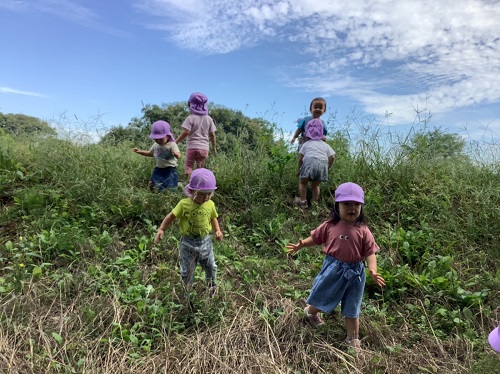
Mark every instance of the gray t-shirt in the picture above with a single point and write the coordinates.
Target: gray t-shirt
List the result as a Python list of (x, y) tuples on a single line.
[(164, 154)]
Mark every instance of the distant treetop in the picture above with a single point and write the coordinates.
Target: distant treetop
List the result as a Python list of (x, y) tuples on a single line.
[(20, 124)]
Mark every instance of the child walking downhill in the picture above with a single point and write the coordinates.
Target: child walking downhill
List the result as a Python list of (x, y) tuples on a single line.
[(166, 152), (199, 128), (316, 158), (347, 242), (317, 109), (197, 218)]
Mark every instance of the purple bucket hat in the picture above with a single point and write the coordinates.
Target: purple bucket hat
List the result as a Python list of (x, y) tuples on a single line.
[(160, 129), (201, 180), (494, 339), (349, 192), (314, 129), (198, 103)]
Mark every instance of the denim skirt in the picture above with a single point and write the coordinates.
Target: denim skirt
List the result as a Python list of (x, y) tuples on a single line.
[(339, 282)]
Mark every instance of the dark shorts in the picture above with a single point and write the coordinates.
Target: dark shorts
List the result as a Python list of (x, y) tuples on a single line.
[(164, 178)]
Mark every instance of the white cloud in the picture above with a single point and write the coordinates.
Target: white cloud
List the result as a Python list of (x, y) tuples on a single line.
[(444, 53), (8, 90)]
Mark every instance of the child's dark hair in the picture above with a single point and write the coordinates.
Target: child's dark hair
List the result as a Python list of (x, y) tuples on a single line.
[(317, 99), (335, 217)]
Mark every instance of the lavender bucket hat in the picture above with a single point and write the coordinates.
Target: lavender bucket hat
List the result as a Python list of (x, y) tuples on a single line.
[(349, 192), (314, 129), (201, 180), (198, 103), (160, 129)]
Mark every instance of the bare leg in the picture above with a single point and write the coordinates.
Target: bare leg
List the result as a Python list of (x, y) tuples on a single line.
[(303, 189), (313, 310), (315, 190), (352, 327)]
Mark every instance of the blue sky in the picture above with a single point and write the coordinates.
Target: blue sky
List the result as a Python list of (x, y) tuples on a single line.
[(100, 60)]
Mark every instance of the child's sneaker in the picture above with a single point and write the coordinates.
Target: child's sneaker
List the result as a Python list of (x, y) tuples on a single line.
[(300, 204), (354, 343), (212, 291), (313, 319)]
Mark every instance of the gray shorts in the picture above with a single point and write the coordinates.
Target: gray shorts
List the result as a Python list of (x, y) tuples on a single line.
[(314, 169), (196, 251)]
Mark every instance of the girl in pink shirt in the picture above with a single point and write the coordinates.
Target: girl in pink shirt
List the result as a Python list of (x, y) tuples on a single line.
[(347, 243), (199, 128)]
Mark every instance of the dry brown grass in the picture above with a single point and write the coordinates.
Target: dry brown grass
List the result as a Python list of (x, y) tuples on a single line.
[(244, 341)]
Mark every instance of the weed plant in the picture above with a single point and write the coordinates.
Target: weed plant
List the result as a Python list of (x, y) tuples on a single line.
[(84, 289)]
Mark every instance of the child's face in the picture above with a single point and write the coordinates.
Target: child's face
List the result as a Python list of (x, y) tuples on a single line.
[(200, 197), (318, 107), (161, 141), (349, 211)]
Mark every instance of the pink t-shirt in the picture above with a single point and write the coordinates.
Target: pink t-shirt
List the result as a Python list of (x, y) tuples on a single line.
[(199, 128), (345, 242)]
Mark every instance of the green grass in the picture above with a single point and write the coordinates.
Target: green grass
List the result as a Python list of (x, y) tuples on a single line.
[(84, 289)]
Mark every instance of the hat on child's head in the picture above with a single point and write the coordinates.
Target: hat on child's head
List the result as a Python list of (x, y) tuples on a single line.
[(314, 129), (198, 103), (201, 180), (349, 192), (160, 129), (494, 339)]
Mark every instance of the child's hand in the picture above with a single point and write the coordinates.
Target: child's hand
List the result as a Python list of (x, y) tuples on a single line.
[(292, 141), (293, 248), (135, 150), (377, 278), (219, 235), (158, 236)]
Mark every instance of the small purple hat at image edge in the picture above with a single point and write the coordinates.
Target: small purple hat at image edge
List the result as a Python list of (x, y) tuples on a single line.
[(314, 129), (160, 129), (494, 339), (198, 103), (201, 180), (349, 192)]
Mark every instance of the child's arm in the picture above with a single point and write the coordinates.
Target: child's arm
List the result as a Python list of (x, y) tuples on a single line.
[(176, 154), (182, 136), (216, 228), (331, 160), (296, 135), (372, 267), (141, 152), (294, 248), (212, 140), (166, 222)]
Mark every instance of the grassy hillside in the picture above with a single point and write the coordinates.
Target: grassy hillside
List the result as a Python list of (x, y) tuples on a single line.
[(83, 289)]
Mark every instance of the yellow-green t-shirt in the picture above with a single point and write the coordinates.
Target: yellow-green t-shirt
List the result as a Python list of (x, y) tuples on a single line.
[(195, 219)]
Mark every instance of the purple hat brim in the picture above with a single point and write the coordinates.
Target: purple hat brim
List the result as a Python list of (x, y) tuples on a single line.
[(494, 339)]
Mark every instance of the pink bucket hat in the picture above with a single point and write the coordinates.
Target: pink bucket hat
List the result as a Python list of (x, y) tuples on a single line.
[(160, 129), (349, 192), (494, 339), (201, 180), (314, 129), (198, 103)]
